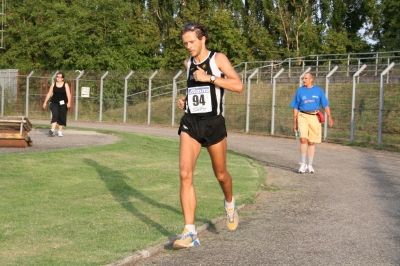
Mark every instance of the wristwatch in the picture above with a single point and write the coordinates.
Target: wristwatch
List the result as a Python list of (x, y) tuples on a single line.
[(212, 78)]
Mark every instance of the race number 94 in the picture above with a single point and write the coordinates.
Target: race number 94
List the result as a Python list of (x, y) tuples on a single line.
[(198, 99)]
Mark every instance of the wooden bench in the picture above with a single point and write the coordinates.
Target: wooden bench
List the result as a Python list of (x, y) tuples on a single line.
[(14, 132)]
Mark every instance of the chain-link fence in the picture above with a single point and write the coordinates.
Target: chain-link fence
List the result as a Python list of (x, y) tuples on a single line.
[(364, 99)]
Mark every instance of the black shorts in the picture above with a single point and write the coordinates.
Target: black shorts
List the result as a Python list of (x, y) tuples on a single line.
[(207, 131)]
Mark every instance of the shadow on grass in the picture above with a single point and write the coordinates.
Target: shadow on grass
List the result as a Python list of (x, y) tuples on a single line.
[(122, 193)]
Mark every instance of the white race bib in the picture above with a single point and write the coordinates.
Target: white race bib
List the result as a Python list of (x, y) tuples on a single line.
[(199, 99), (62, 102)]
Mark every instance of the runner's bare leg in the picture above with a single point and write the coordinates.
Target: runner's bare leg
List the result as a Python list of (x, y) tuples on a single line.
[(188, 153), (218, 157)]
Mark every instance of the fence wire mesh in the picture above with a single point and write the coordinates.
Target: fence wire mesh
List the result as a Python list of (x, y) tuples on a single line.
[(149, 97)]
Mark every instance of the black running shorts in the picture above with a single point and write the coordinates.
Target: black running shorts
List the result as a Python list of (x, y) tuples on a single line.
[(207, 131)]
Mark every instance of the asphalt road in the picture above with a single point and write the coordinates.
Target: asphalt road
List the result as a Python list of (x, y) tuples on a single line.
[(347, 213)]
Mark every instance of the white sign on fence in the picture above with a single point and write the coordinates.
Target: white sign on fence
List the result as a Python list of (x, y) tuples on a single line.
[(85, 92)]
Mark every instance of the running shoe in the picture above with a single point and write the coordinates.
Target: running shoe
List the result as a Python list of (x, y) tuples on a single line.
[(232, 218), (303, 168), (310, 169), (60, 134), (187, 240), (51, 133)]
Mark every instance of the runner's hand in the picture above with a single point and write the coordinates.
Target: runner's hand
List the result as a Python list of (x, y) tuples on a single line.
[(201, 75), (181, 103)]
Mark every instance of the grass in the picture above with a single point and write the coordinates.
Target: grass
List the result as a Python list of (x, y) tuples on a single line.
[(95, 205)]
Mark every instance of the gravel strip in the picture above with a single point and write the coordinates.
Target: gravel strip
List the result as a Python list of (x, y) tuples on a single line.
[(71, 139)]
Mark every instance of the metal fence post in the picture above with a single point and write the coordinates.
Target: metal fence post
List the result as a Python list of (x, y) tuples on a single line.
[(273, 100), (348, 64), (245, 71), (353, 101), (248, 99), (77, 93), (27, 94), (2, 96), (53, 80), (272, 70), (174, 92), (381, 103), (126, 93), (101, 96), (327, 96), (149, 95)]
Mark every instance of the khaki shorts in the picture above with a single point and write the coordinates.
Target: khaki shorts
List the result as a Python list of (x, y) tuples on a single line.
[(309, 127)]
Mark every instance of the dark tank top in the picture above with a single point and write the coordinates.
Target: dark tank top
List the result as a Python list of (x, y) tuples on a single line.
[(59, 94), (204, 99)]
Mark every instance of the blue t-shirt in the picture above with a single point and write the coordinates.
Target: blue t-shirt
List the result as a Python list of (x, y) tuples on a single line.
[(309, 99)]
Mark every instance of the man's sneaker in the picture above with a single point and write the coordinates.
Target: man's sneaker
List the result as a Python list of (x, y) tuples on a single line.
[(310, 169), (51, 133), (60, 134), (232, 218), (303, 168), (187, 240)]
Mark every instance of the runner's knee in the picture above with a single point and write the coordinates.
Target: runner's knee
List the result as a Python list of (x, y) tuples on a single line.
[(222, 176), (186, 176)]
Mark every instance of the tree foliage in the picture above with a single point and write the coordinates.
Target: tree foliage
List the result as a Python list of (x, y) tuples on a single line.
[(145, 34), (386, 25)]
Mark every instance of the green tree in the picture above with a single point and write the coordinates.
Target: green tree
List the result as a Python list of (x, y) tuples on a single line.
[(145, 34), (26, 25), (386, 25), (257, 38), (81, 35), (345, 19)]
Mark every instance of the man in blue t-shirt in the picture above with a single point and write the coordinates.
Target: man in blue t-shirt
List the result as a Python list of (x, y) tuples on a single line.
[(306, 103)]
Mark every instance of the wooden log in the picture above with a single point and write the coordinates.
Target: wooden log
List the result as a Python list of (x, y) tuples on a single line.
[(14, 132), (13, 143)]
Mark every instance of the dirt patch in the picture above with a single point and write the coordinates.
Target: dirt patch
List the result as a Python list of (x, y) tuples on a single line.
[(71, 139)]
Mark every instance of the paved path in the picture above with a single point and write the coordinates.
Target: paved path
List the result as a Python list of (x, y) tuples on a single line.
[(347, 213)]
